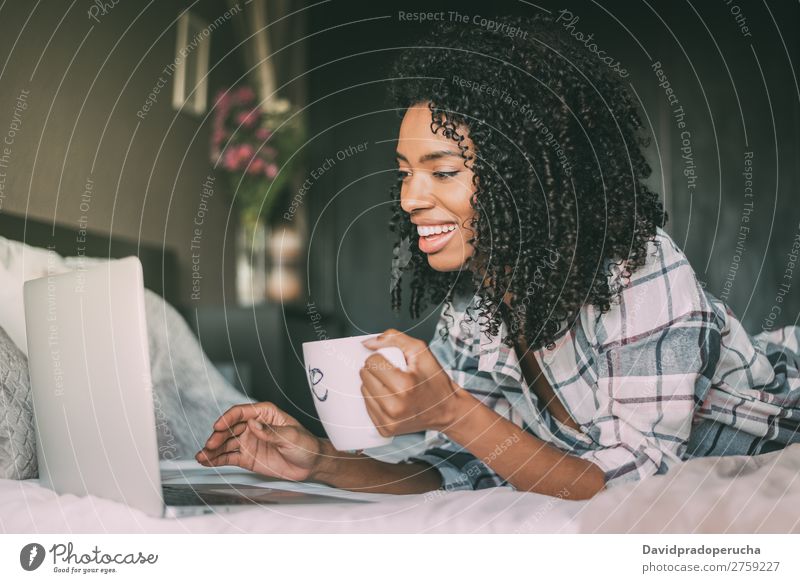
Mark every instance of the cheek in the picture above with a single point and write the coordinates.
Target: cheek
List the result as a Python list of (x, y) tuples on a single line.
[(459, 198), (460, 195)]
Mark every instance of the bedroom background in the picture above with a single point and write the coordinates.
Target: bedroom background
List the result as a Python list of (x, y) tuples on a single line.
[(97, 146)]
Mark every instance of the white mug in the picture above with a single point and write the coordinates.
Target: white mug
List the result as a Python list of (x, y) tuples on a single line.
[(332, 371)]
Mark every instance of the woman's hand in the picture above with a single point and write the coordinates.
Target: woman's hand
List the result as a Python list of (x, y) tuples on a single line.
[(420, 398), (261, 438)]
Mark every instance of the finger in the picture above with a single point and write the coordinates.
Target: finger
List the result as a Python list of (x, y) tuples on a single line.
[(242, 442), (226, 459), (279, 435), (265, 411), (230, 444), (412, 348), (384, 377), (236, 414), (218, 437), (377, 415), (207, 456), (372, 387), (257, 428), (273, 415), (390, 405), (233, 444)]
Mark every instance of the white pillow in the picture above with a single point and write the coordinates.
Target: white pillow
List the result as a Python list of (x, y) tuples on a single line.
[(189, 393), (17, 435), (20, 262)]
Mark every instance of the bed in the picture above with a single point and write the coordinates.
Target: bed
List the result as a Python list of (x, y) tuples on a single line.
[(734, 494), (711, 495)]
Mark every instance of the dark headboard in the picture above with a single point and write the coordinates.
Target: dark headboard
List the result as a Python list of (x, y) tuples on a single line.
[(159, 265)]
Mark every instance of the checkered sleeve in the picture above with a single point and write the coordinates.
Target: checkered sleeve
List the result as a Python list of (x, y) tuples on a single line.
[(460, 470), (652, 354)]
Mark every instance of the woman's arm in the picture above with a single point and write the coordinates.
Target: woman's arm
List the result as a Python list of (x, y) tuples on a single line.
[(361, 473), (526, 462), (522, 459), (262, 438), (424, 397)]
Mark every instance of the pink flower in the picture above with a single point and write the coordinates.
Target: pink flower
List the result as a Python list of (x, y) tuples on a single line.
[(245, 94), (263, 133), (247, 118), (257, 167), (271, 171), (245, 152), (230, 161)]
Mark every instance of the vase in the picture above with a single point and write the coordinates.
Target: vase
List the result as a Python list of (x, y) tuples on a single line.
[(251, 260), (283, 248)]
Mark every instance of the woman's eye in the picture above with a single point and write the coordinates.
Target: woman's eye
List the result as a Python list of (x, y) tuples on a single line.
[(403, 174), (445, 175)]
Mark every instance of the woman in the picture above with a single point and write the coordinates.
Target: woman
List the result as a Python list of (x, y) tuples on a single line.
[(575, 348)]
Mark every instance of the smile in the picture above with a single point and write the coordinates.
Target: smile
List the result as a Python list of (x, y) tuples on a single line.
[(433, 237)]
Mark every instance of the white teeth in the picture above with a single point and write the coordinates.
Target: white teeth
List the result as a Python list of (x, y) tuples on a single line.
[(434, 230)]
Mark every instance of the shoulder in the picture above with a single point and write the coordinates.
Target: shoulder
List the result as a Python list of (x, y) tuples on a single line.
[(663, 257), (661, 293)]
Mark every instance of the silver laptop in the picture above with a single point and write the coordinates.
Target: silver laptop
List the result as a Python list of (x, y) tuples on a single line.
[(93, 401)]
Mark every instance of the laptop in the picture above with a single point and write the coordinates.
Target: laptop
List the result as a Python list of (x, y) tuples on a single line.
[(93, 400)]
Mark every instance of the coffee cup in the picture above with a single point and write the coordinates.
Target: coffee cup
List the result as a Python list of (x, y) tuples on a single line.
[(332, 369)]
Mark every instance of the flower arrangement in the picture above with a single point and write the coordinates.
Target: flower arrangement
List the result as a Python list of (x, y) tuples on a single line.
[(253, 144)]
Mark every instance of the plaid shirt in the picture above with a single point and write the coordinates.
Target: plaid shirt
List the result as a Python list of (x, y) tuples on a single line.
[(667, 374)]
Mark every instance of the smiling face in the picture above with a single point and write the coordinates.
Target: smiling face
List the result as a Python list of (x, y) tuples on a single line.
[(436, 190)]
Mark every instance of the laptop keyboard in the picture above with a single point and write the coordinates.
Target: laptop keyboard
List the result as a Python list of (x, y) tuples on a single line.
[(186, 495), (210, 495)]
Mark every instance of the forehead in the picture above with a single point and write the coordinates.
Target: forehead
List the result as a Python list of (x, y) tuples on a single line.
[(416, 134)]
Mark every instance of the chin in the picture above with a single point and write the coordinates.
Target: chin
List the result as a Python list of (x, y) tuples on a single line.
[(446, 262)]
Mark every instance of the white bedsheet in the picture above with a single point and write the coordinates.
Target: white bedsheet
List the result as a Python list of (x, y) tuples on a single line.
[(732, 494), (735, 494), (27, 507)]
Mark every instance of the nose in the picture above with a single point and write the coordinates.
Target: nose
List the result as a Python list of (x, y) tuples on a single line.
[(415, 193)]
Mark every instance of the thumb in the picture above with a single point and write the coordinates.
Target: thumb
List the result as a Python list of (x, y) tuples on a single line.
[(276, 434)]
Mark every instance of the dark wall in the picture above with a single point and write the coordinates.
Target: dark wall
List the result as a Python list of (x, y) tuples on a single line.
[(86, 80), (726, 77), (741, 99), (81, 157)]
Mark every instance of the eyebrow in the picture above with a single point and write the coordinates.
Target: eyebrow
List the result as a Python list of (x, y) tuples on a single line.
[(436, 155)]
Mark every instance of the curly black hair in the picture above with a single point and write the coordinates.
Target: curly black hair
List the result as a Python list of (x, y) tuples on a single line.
[(559, 171)]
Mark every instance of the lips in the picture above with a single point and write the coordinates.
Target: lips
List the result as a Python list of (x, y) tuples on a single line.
[(433, 243)]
